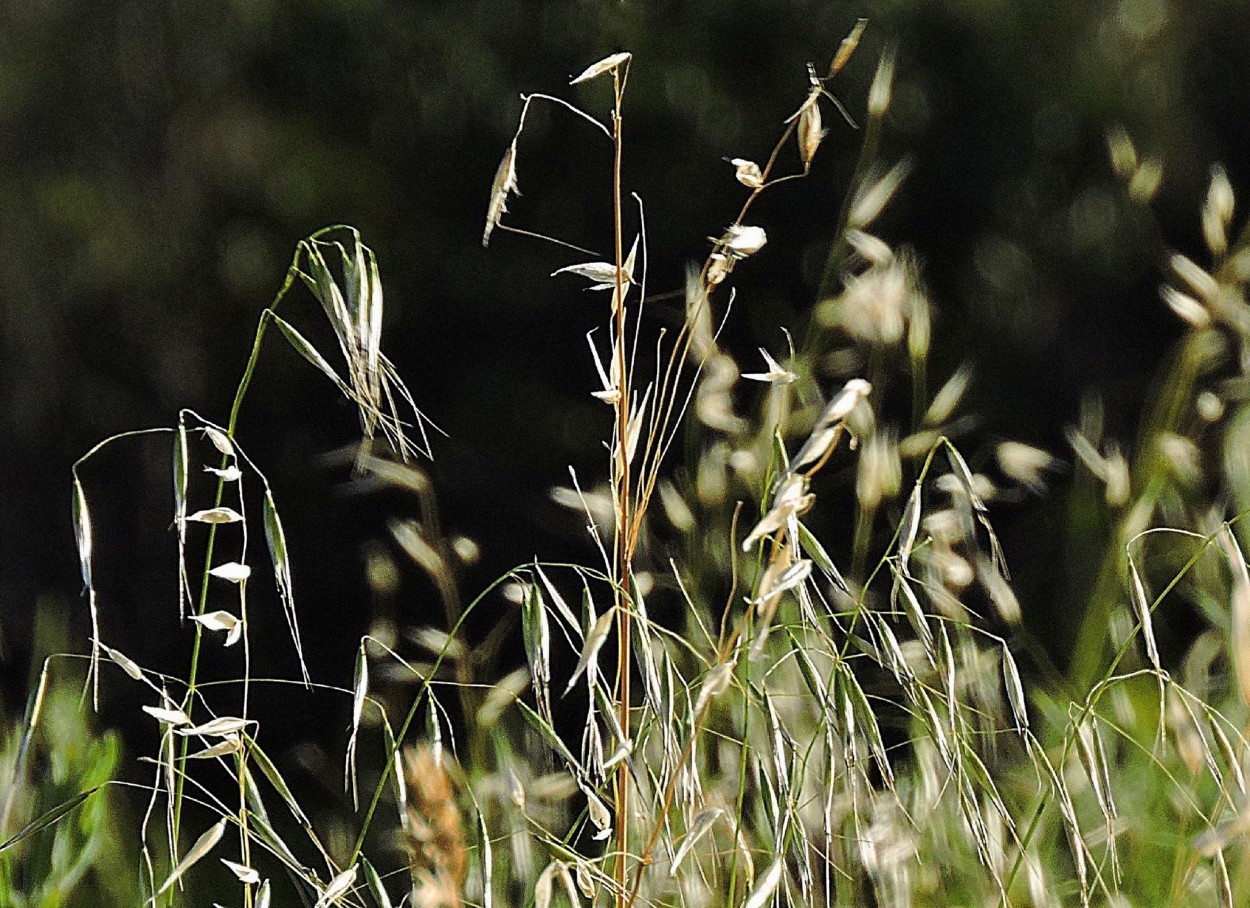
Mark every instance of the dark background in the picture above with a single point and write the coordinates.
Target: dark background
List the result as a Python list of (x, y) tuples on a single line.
[(160, 160)]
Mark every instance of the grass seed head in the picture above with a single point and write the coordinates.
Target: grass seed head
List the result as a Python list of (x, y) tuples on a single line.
[(1144, 185), (740, 240), (505, 183), (1122, 153), (747, 173), (1025, 464), (1217, 213), (434, 834), (810, 132)]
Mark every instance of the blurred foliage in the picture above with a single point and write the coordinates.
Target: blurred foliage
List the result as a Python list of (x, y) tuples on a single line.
[(47, 757)]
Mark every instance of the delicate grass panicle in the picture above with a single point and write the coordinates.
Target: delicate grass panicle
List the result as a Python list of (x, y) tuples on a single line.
[(825, 723)]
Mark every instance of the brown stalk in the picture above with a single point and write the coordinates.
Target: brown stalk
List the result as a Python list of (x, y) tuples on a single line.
[(624, 546)]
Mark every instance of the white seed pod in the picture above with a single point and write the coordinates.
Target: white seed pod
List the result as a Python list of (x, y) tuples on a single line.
[(1217, 213), (776, 373), (231, 744), (747, 173), (872, 197), (128, 665), (244, 873), (1025, 464), (719, 267), (168, 716), (882, 89), (222, 621), (871, 249), (337, 887), (232, 571), (220, 440), (1185, 307), (811, 132), (216, 516), (203, 845), (505, 182), (1204, 286), (220, 727), (740, 241), (607, 64)]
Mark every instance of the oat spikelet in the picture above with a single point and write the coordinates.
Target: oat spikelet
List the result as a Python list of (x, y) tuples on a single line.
[(434, 836)]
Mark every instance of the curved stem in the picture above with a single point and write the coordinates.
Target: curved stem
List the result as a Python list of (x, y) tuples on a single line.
[(202, 601)]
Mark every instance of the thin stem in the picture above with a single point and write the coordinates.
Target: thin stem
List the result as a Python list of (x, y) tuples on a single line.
[(624, 548), (202, 603)]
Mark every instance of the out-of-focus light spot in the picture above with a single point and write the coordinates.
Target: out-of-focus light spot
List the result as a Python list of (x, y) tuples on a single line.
[(1003, 265), (1091, 218)]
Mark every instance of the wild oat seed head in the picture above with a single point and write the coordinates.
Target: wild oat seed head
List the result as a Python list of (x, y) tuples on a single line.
[(872, 250), (1185, 307), (719, 268), (1199, 281), (874, 306), (811, 132), (505, 182), (713, 399), (882, 89), (747, 173), (1146, 181), (606, 65), (1217, 213), (1209, 406), (880, 470), (847, 48), (874, 194), (776, 373), (740, 241), (438, 857), (919, 327), (1117, 477), (945, 527), (1025, 464), (1122, 153), (1182, 457)]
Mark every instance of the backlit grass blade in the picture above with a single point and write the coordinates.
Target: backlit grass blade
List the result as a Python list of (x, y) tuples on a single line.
[(203, 845), (49, 818), (275, 537)]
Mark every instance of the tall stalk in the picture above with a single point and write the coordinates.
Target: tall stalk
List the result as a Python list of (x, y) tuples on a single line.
[(621, 479)]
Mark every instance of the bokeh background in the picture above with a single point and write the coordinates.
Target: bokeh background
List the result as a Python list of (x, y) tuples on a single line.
[(159, 161)]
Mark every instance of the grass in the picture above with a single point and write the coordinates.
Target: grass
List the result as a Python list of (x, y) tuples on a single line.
[(822, 724)]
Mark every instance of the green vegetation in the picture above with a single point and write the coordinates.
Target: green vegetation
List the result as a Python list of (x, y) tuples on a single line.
[(792, 674)]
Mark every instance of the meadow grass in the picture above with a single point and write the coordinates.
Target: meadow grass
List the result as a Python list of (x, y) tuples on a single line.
[(821, 724)]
